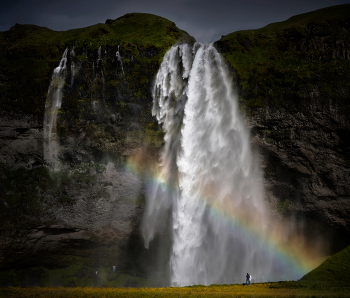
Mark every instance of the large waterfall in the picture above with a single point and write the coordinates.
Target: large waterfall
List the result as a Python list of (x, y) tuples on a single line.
[(208, 178)]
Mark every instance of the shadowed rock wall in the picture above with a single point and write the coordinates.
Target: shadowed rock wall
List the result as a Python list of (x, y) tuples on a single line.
[(294, 86), (89, 212)]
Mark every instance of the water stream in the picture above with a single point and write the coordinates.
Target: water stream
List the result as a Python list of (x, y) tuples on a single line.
[(53, 104)]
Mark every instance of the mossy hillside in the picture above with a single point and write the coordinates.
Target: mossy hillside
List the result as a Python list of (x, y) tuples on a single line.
[(30, 53), (335, 270), (287, 62)]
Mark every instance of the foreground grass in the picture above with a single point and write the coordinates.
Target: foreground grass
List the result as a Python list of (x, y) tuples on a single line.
[(285, 289)]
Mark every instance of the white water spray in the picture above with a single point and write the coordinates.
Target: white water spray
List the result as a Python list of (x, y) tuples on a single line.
[(53, 104), (208, 177)]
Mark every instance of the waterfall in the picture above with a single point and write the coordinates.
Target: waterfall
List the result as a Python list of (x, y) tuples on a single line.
[(52, 105), (73, 66), (170, 97), (208, 178), (121, 72)]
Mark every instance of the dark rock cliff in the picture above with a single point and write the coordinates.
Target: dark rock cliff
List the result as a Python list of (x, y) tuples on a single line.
[(88, 213), (294, 86)]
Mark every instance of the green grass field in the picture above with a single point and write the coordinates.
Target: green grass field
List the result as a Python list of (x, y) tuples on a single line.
[(282, 289)]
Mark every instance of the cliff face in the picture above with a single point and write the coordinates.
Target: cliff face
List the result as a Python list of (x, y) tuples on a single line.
[(294, 84), (89, 211)]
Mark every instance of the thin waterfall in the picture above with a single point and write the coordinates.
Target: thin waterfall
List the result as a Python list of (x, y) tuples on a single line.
[(53, 104), (73, 66), (99, 53), (121, 71), (208, 178)]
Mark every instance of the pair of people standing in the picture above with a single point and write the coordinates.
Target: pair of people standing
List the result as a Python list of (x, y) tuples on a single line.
[(248, 279)]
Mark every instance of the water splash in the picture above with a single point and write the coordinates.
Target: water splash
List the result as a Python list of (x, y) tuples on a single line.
[(207, 165), (53, 104)]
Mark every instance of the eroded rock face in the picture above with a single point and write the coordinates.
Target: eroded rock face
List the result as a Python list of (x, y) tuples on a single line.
[(305, 159)]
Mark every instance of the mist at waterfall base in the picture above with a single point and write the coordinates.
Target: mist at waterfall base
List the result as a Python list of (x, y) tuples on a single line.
[(210, 182)]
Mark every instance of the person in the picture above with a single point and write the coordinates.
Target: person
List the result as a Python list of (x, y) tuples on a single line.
[(113, 269), (247, 279), (250, 278)]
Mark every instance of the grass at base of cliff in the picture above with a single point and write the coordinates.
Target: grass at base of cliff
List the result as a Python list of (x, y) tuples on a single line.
[(74, 276), (285, 289)]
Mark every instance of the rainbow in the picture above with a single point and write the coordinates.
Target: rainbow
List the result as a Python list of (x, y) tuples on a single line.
[(291, 254)]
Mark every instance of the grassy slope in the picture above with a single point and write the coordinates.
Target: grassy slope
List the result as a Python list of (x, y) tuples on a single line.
[(335, 270), (284, 60), (30, 53)]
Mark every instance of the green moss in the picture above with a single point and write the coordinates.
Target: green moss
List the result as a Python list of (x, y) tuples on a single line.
[(154, 138), (144, 80), (82, 57), (283, 206), (100, 167)]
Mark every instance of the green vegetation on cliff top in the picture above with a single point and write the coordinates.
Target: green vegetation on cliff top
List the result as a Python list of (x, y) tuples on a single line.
[(283, 63), (30, 53), (137, 28), (324, 15)]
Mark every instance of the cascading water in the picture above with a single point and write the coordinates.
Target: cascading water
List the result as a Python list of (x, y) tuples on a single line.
[(208, 178), (120, 71), (53, 104), (169, 100), (73, 66)]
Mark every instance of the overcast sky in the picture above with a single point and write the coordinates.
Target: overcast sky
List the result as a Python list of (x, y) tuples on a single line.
[(205, 20)]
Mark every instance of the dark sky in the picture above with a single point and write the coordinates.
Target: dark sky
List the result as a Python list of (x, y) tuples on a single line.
[(205, 20)]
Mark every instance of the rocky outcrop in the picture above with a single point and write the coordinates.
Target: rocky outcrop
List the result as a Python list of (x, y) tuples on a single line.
[(305, 161)]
